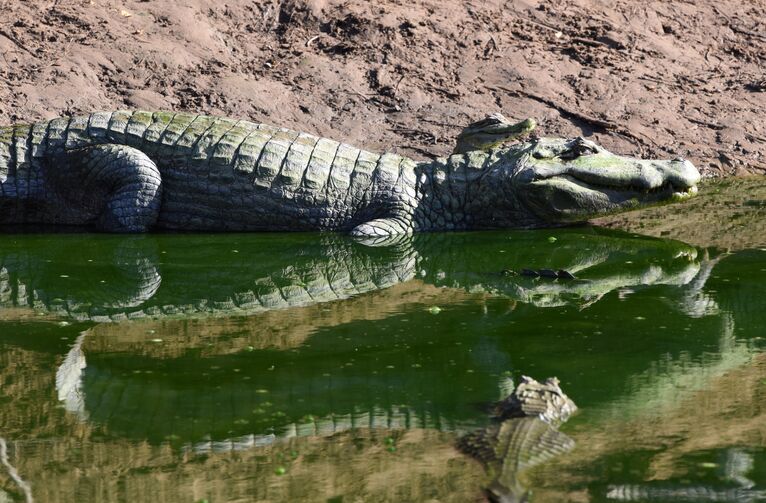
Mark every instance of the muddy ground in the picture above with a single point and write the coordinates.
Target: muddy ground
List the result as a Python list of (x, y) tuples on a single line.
[(729, 214), (660, 78)]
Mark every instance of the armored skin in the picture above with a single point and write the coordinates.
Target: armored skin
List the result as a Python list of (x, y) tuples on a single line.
[(139, 171), (523, 435)]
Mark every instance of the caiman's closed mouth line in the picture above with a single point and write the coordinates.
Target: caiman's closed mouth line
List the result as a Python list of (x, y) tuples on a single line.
[(666, 188)]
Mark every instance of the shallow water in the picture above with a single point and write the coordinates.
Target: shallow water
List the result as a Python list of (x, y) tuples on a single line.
[(313, 367)]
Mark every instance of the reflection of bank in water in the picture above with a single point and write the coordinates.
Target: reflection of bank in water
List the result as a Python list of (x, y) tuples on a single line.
[(424, 464)]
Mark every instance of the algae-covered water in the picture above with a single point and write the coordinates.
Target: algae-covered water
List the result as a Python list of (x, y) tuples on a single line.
[(307, 367)]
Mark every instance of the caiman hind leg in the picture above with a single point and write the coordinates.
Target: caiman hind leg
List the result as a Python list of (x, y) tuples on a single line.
[(118, 187)]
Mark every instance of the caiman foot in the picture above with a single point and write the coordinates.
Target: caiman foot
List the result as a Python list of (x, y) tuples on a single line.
[(381, 227), (118, 185)]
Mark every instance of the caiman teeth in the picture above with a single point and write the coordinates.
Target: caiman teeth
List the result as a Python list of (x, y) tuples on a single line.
[(690, 192)]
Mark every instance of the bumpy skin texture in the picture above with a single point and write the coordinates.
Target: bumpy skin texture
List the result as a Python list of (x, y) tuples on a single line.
[(136, 171), (269, 274), (523, 435)]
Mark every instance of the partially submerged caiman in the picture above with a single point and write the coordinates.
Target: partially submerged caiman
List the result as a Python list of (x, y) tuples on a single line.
[(524, 434), (137, 171)]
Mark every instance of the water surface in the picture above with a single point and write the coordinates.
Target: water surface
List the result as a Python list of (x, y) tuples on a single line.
[(313, 367)]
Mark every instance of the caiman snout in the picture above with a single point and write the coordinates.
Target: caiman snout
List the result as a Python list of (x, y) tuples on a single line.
[(679, 174), (637, 175), (682, 174), (575, 180)]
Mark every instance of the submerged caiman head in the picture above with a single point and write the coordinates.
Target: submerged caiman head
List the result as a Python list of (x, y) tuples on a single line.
[(573, 180)]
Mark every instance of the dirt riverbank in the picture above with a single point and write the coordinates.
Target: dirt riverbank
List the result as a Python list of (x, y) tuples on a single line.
[(644, 78)]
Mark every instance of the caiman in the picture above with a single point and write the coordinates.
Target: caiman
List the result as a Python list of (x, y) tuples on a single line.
[(524, 434), (137, 171)]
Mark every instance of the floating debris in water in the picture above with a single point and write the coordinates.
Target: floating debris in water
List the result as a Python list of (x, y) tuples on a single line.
[(434, 310), (552, 239), (547, 273), (63, 323), (280, 470), (155, 340), (541, 273)]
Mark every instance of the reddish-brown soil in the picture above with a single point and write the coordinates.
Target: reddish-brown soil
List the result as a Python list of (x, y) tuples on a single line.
[(660, 78)]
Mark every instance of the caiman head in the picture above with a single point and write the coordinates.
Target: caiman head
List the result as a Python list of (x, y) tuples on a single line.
[(573, 180)]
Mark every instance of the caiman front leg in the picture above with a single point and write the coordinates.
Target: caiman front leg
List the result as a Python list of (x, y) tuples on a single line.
[(118, 187)]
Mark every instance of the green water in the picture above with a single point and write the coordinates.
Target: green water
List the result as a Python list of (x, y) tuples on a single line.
[(313, 367)]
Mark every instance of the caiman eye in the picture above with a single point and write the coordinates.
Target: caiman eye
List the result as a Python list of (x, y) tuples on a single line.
[(578, 150), (586, 150)]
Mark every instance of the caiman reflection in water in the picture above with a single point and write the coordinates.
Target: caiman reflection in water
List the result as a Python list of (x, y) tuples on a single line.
[(296, 336), (106, 278)]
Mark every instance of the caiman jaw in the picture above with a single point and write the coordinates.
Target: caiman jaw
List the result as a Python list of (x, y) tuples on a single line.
[(586, 187), (666, 191)]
